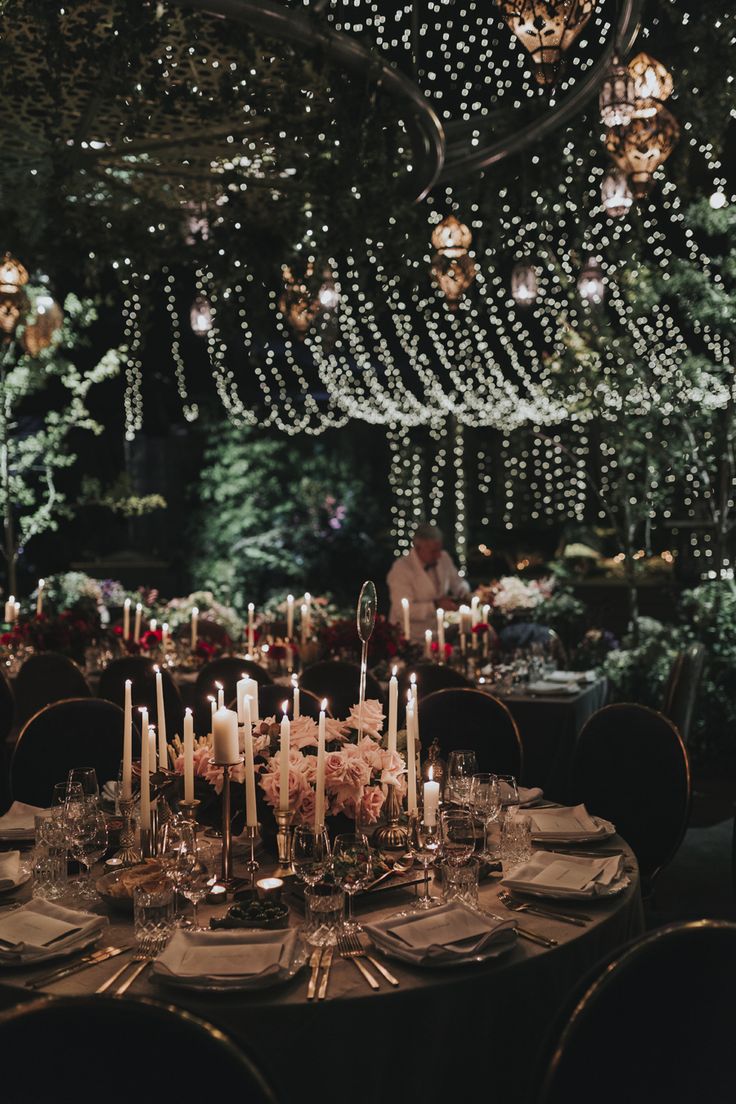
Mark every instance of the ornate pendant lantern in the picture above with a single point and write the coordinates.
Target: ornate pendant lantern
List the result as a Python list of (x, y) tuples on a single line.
[(39, 333), (451, 237), (653, 84), (617, 97), (524, 284), (641, 147), (200, 316), (13, 300), (546, 28), (592, 282), (616, 196)]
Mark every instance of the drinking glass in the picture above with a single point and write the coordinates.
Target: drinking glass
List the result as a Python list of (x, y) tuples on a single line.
[(516, 842), (457, 834), (509, 792), (352, 867), (426, 840), (153, 913), (87, 778), (195, 868), (461, 766), (310, 853), (460, 883), (66, 793), (48, 862), (485, 801), (89, 844), (324, 910)]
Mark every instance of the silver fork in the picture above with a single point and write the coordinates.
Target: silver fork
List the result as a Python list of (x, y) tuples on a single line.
[(581, 921), (146, 952), (345, 950), (357, 950)]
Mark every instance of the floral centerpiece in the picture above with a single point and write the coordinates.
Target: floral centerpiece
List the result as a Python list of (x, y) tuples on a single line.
[(511, 596), (69, 633), (178, 613), (340, 639)]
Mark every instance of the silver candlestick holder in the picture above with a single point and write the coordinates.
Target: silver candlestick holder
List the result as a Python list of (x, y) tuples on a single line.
[(128, 854), (392, 836), (252, 865), (188, 810), (227, 832), (283, 840)]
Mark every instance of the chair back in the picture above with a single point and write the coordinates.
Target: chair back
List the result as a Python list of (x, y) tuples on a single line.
[(682, 687), (429, 678), (140, 671), (631, 767), (61, 1022), (474, 720), (271, 698), (228, 670), (45, 678), (80, 732), (339, 682), (665, 1007), (7, 707)]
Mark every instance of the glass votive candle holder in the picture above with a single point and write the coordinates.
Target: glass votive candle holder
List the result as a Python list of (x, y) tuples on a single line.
[(460, 883), (324, 910), (516, 841), (270, 889)]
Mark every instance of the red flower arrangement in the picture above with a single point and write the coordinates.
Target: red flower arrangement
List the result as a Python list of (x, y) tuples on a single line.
[(447, 649), (341, 637)]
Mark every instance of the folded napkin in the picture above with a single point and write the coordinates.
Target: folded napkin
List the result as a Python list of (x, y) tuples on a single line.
[(571, 876), (226, 956), (447, 935), (566, 823), (571, 676), (110, 792), (19, 822), (527, 795), (41, 929), (9, 869), (547, 686)]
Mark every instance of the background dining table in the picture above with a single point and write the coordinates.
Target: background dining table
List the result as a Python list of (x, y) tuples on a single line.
[(432, 1036)]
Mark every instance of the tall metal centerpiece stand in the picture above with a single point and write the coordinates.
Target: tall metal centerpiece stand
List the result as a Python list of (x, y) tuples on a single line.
[(226, 876)]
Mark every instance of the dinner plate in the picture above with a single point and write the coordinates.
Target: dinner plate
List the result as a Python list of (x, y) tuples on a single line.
[(617, 886), (607, 831), (237, 984), (52, 953), (25, 877), (394, 949)]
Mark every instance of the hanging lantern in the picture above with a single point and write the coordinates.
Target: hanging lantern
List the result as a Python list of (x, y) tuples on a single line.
[(451, 237), (546, 28), (39, 333), (328, 294), (616, 194), (641, 147), (592, 281), (298, 303), (617, 96), (653, 84), (524, 284), (13, 300), (454, 275), (200, 316)]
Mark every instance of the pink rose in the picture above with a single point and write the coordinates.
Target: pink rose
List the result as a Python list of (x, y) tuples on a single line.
[(304, 811), (335, 731), (372, 717), (371, 804), (304, 732)]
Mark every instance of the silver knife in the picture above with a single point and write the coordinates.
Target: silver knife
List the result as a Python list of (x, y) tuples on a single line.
[(314, 966), (581, 920), (326, 963), (542, 940), (82, 964)]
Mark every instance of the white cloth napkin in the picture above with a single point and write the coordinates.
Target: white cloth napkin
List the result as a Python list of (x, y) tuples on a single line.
[(566, 823), (527, 795), (26, 934), (9, 869), (446, 935), (558, 689), (569, 876), (571, 676), (19, 822), (226, 956)]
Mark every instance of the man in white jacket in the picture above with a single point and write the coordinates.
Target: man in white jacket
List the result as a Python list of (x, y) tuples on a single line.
[(428, 578)]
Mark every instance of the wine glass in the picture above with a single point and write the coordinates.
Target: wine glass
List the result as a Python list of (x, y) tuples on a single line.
[(89, 844), (461, 766), (509, 791), (310, 853), (195, 873), (485, 801), (87, 778), (457, 833), (426, 840), (68, 793), (352, 867)]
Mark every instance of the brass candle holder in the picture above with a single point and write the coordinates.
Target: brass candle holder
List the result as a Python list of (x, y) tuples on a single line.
[(188, 810), (392, 836), (128, 854), (148, 843), (226, 878), (283, 840)]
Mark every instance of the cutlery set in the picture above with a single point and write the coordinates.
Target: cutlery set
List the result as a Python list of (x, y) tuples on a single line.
[(321, 958)]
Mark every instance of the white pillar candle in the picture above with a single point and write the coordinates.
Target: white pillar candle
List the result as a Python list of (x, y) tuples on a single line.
[(251, 626), (289, 616), (220, 695), (415, 699), (411, 760), (406, 617), (193, 638), (474, 610), (137, 629), (17, 610), (127, 782), (126, 619), (251, 809), (39, 599), (10, 609), (153, 624), (284, 761), (308, 602), (441, 634), (213, 710), (486, 613), (304, 623), (251, 689), (188, 755), (428, 643), (163, 755), (241, 693), (145, 772), (431, 803), (225, 746), (165, 636), (393, 710), (295, 695), (152, 748), (319, 795)]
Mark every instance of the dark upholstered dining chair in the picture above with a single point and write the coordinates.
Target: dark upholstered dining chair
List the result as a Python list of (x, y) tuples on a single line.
[(474, 720), (339, 682), (430, 677), (228, 670), (45, 678), (682, 687), (196, 1051), (80, 732), (665, 1006), (631, 767), (271, 698)]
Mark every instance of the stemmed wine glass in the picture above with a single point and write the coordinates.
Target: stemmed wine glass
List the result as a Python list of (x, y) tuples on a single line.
[(508, 791), (87, 778), (88, 845), (457, 833), (352, 867), (310, 853), (426, 841), (485, 801), (461, 767), (194, 872)]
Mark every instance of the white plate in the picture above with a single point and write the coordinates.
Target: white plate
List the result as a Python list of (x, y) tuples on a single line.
[(612, 890), (571, 839), (395, 950), (25, 876), (237, 984), (47, 956)]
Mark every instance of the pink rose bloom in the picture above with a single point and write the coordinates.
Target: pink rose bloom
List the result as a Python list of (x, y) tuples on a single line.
[(270, 781), (371, 804), (372, 717), (304, 811), (304, 732), (335, 731), (261, 744), (334, 768)]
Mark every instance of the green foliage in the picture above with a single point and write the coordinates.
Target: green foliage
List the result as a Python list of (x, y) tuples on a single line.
[(282, 513), (709, 616), (638, 670), (119, 498)]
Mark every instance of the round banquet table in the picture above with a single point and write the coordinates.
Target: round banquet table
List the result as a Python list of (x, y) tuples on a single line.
[(435, 1035)]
